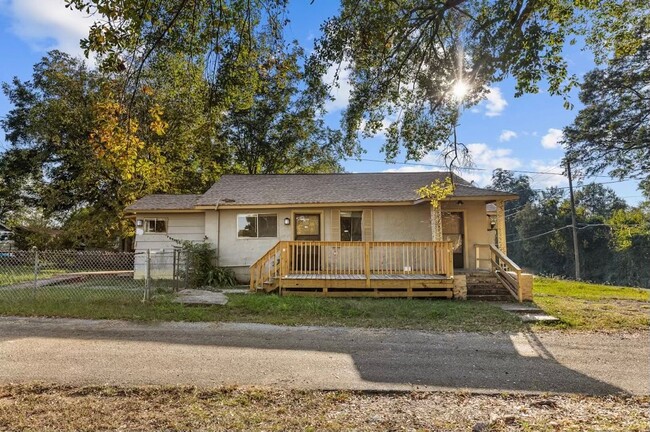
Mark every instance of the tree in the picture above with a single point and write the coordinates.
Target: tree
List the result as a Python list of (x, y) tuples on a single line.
[(406, 57), (612, 131), (598, 201), (74, 148), (282, 130)]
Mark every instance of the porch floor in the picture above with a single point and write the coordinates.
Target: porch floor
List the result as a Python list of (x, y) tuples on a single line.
[(319, 276)]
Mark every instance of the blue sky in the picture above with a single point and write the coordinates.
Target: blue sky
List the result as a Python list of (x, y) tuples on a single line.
[(501, 132)]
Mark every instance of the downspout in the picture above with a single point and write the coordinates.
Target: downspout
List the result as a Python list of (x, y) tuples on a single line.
[(216, 208)]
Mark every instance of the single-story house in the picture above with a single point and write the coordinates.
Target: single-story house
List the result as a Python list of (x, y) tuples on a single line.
[(335, 229)]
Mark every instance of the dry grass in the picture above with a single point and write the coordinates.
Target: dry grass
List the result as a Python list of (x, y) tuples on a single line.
[(49, 408)]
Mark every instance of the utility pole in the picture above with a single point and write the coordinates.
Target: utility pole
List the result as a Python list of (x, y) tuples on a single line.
[(576, 252)]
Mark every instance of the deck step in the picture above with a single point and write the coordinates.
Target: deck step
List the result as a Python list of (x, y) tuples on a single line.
[(492, 297)]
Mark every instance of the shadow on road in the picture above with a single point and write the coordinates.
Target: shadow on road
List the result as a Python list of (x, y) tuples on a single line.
[(501, 362)]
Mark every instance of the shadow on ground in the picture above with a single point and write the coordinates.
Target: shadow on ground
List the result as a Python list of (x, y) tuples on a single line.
[(491, 362)]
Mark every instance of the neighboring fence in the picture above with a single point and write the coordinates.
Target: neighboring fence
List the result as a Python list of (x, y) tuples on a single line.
[(92, 275)]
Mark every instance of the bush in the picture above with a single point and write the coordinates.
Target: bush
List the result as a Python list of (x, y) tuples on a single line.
[(201, 267)]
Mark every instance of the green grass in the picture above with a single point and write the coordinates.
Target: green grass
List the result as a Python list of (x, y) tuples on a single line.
[(586, 306), (18, 274), (435, 315), (579, 306)]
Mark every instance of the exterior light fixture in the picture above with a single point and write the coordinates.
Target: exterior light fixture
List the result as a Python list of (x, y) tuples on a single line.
[(460, 203), (287, 221)]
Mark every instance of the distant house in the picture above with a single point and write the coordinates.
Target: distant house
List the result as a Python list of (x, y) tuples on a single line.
[(366, 234), (5, 233)]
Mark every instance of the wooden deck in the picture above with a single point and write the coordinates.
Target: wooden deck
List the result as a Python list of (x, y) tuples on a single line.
[(378, 285), (356, 269)]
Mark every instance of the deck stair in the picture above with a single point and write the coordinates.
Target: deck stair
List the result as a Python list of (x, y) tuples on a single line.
[(486, 286)]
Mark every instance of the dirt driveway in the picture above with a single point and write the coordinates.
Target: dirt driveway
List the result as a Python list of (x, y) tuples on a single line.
[(206, 354)]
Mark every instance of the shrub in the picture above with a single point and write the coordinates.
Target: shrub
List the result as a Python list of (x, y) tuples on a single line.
[(201, 268)]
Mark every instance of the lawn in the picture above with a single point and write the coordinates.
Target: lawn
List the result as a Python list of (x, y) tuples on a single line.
[(580, 306), (588, 306), (59, 408), (440, 315)]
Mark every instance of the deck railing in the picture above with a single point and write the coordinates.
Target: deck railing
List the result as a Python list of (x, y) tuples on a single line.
[(506, 270), (353, 259)]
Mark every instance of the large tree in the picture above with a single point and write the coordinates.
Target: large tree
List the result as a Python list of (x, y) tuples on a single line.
[(282, 131), (407, 58), (612, 131), (404, 56)]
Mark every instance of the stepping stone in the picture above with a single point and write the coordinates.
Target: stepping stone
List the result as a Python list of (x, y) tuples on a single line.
[(533, 318), (200, 297), (517, 308)]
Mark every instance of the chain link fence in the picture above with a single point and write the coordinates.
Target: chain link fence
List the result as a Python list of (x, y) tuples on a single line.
[(90, 275)]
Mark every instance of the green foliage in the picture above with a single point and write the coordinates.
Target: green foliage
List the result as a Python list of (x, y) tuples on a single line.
[(612, 131), (404, 58), (201, 267), (614, 240)]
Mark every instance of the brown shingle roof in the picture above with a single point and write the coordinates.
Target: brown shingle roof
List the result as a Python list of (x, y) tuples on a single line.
[(164, 202), (329, 188), (287, 189)]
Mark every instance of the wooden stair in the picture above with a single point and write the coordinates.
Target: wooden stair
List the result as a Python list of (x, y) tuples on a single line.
[(486, 286)]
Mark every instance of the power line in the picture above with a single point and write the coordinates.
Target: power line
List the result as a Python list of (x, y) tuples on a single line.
[(540, 235), (462, 169)]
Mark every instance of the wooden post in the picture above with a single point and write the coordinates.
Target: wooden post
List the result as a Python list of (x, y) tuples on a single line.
[(367, 263), (436, 223), (501, 227)]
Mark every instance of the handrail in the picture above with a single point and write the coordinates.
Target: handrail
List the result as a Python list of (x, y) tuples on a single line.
[(257, 275), (504, 267), (367, 260)]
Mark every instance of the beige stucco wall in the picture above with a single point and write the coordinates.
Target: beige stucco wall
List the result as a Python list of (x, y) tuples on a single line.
[(394, 223), (181, 226)]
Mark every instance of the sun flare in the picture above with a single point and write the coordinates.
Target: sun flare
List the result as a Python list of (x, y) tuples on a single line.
[(459, 90)]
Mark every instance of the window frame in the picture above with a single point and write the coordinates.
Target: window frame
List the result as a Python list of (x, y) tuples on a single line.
[(145, 226), (257, 226), (351, 217)]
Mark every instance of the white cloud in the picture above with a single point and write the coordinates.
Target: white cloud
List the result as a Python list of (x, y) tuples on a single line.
[(340, 92), (552, 138), (47, 24), (482, 155), (553, 178), (495, 102), (507, 135)]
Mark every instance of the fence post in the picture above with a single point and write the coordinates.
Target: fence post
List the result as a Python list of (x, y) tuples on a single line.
[(147, 276), (36, 265), (187, 269)]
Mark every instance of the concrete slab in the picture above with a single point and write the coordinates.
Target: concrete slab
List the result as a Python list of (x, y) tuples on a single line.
[(533, 318), (517, 308), (200, 297)]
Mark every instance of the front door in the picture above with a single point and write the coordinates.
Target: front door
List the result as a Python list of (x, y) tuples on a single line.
[(453, 230), (307, 228)]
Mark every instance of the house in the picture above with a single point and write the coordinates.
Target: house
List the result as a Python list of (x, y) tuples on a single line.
[(5, 233), (6, 241), (348, 233)]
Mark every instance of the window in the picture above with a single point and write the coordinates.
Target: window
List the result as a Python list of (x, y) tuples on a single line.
[(351, 226), (155, 226), (257, 225)]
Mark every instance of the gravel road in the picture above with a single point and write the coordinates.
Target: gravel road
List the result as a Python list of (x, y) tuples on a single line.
[(81, 352)]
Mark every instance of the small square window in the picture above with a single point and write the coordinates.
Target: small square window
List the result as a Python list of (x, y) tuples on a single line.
[(155, 226)]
